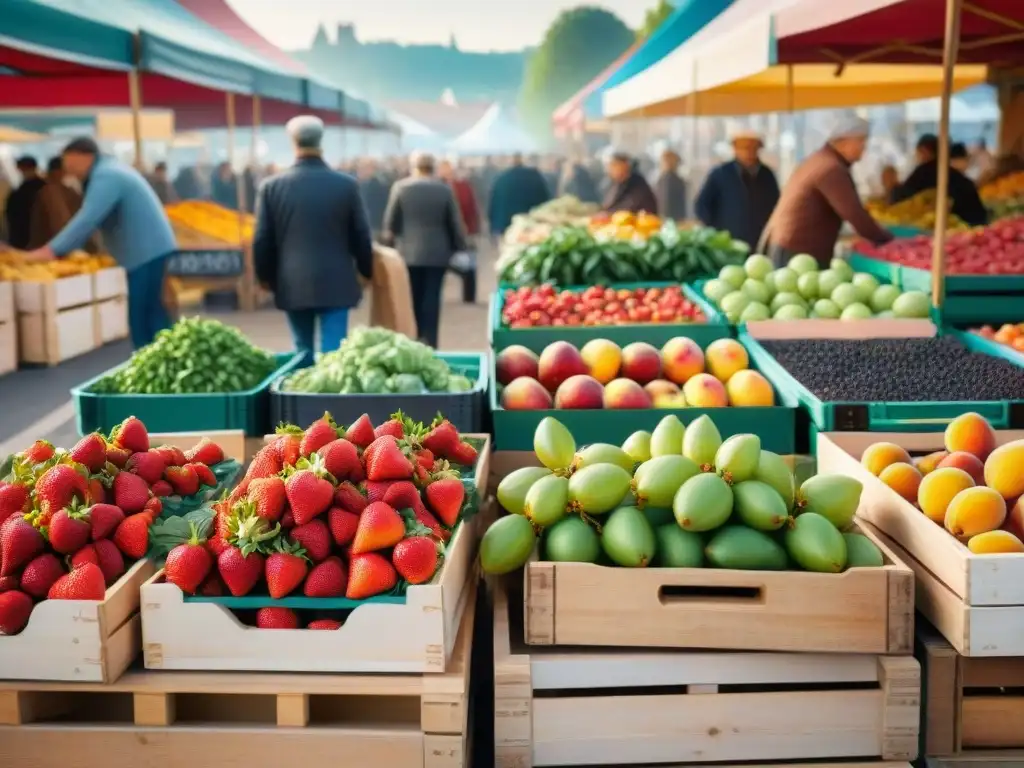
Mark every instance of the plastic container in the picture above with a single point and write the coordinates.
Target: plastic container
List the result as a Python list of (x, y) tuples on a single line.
[(463, 409), (248, 411), (653, 333)]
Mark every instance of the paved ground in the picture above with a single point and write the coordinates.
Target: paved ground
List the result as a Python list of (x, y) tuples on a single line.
[(36, 402)]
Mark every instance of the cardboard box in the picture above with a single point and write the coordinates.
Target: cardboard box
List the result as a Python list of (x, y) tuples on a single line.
[(391, 296)]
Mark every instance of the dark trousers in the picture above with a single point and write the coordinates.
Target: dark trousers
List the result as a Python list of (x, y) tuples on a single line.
[(468, 286), (426, 284), (147, 315), (333, 330)]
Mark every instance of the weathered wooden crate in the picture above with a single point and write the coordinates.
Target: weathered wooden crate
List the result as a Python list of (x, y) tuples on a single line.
[(52, 295), (111, 320), (975, 601), (109, 283), (568, 707), (251, 719), (53, 336)]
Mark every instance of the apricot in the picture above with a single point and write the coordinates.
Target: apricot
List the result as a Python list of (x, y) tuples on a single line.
[(1014, 522), (603, 358), (929, 463), (749, 388), (902, 478), (973, 511), (968, 462), (880, 455), (995, 543), (1004, 470), (724, 357), (938, 488), (972, 433)]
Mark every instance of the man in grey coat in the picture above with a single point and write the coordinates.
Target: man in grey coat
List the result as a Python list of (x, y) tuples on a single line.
[(312, 242), (423, 221)]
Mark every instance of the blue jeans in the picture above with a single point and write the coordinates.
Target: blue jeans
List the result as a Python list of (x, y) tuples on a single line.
[(333, 330), (147, 315)]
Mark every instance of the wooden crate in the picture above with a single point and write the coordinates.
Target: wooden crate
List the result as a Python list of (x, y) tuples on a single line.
[(111, 320), (576, 707), (55, 336), (48, 297), (976, 601), (109, 283), (79, 640), (244, 719), (6, 302), (8, 347)]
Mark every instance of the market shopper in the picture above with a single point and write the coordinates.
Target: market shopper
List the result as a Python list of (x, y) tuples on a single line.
[(470, 213), (55, 205), (422, 221), (629, 190), (966, 202), (21, 202), (669, 188), (312, 242), (819, 197), (516, 190), (120, 203), (375, 193), (739, 196)]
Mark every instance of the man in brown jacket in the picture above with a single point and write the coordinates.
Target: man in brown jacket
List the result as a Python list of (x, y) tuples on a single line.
[(819, 197), (54, 207)]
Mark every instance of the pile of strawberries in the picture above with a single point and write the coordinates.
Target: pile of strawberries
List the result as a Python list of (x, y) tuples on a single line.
[(72, 521), (329, 512)]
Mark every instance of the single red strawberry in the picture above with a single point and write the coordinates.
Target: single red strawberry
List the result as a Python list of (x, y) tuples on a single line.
[(149, 465), (377, 491), (40, 574), (97, 490), (285, 569), (15, 608), (57, 487), (288, 448), (90, 452), (7, 583), (269, 497), (130, 492), (132, 536), (324, 624), (204, 473), (464, 454), (204, 452), (343, 525), (38, 452), (131, 434), (318, 434), (188, 564), (347, 496), (70, 528), (385, 460), (445, 497), (276, 618), (310, 490), (20, 541), (245, 538), (424, 458), (416, 559), (326, 579), (86, 554), (314, 537), (14, 499), (84, 583), (173, 455), (392, 427), (442, 438), (118, 456), (404, 494), (109, 559), (104, 519), (154, 508), (368, 575), (162, 488), (240, 573), (361, 432), (341, 459), (380, 527), (213, 586), (183, 480)]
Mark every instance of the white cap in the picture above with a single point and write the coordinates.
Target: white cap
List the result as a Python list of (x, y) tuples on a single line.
[(745, 134), (849, 128)]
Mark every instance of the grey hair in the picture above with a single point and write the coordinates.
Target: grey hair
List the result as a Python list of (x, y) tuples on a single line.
[(422, 161), (306, 131)]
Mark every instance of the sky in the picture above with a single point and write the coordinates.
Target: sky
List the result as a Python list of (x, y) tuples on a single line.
[(480, 25)]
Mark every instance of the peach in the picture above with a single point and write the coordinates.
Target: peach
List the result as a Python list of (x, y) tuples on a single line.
[(579, 392), (972, 433), (749, 388), (603, 358), (558, 362), (968, 462), (682, 359), (995, 543), (625, 393), (929, 463), (973, 511), (902, 478), (515, 361), (880, 455), (1004, 470), (660, 387), (725, 357), (705, 391), (641, 362), (1014, 522), (525, 394), (938, 488)]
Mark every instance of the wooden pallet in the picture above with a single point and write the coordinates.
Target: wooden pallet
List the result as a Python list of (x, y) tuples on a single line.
[(244, 720), (578, 707)]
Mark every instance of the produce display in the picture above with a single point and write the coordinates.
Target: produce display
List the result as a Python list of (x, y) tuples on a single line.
[(674, 498), (1004, 196), (72, 522), (798, 291), (898, 370), (14, 268), (537, 225), (997, 249), (625, 225), (576, 256), (329, 512), (972, 488), (1009, 334), (545, 305), (917, 211), (603, 375), (194, 356), (376, 360), (214, 221)]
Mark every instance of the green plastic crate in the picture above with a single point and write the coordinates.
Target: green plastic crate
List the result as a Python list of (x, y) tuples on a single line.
[(249, 410), (883, 417), (657, 334), (775, 425)]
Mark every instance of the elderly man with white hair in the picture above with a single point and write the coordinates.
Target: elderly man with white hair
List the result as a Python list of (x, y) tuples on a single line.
[(312, 242), (423, 221), (820, 196)]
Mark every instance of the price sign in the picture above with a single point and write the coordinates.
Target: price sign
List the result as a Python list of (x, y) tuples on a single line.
[(206, 263)]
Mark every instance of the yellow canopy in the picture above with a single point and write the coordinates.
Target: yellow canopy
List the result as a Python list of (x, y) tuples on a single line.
[(18, 136)]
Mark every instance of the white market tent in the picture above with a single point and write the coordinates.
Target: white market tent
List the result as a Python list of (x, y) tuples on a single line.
[(496, 133)]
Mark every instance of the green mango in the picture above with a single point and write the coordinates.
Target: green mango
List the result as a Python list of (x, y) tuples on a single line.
[(741, 548), (678, 548), (772, 469), (638, 446), (554, 444), (513, 488), (603, 453), (758, 505), (834, 497), (656, 481), (571, 540), (598, 488), (703, 503), (547, 501), (507, 545), (737, 458), (701, 441), (667, 438), (861, 552), (816, 544), (628, 539)]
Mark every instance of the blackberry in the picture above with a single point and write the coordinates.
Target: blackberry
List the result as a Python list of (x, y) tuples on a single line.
[(898, 370)]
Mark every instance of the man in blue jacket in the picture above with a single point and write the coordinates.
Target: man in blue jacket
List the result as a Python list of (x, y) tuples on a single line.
[(123, 206)]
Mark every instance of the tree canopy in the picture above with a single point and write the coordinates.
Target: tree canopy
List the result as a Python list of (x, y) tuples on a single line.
[(654, 18)]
